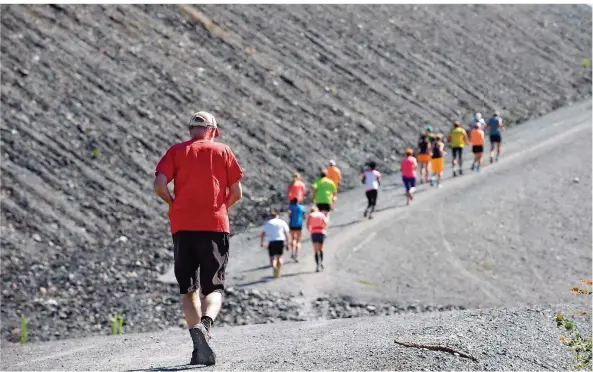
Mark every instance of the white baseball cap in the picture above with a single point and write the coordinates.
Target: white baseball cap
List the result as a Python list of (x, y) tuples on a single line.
[(332, 162), (204, 119)]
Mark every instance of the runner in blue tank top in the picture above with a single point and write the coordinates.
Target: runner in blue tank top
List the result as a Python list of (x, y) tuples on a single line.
[(495, 127), (296, 212)]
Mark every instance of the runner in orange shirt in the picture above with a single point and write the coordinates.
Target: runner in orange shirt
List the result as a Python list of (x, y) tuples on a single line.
[(334, 174), (477, 140), (297, 189)]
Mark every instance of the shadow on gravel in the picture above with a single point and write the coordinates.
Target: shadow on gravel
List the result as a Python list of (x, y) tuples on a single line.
[(256, 269), (181, 367), (266, 279)]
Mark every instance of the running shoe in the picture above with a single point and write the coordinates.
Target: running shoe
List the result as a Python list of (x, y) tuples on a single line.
[(276, 273), (473, 167), (454, 174), (461, 172), (203, 353), (365, 212)]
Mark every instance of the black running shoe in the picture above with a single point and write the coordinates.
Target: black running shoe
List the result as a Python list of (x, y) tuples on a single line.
[(203, 353)]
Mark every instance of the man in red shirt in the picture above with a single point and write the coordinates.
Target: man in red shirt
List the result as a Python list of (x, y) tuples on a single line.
[(207, 181)]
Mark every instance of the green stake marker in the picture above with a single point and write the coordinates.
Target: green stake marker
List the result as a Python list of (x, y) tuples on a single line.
[(23, 329), (585, 63)]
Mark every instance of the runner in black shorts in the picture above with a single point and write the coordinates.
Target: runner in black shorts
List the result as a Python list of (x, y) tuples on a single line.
[(324, 207), (478, 149), (204, 250), (276, 248), (276, 232), (200, 231)]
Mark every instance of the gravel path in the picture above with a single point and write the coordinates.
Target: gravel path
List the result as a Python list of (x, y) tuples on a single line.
[(482, 240), (499, 339)]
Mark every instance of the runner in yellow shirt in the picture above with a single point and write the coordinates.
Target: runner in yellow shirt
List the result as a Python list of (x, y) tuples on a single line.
[(457, 140), (324, 193)]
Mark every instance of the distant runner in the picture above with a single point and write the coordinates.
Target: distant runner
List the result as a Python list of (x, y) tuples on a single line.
[(317, 226), (457, 140), (430, 134), (408, 171), (334, 174), (200, 223), (477, 139), (324, 193), (371, 180), (424, 149), (478, 119), (297, 189), (495, 128), (438, 161), (276, 232), (297, 214)]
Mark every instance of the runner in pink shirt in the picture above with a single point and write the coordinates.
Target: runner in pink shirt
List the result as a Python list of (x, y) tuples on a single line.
[(317, 225), (408, 171)]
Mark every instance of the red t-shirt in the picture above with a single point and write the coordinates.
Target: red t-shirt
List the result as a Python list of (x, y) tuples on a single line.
[(202, 172)]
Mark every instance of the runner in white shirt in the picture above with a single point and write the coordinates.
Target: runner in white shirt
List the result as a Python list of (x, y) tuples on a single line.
[(371, 180), (276, 231), (479, 120)]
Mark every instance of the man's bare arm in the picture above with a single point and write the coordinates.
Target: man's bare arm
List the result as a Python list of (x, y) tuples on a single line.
[(262, 239), (235, 194), (161, 189)]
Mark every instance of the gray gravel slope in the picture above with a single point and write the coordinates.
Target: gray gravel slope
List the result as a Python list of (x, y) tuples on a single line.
[(499, 339), (92, 95)]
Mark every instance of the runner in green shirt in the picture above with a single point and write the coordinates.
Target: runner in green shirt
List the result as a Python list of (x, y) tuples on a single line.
[(324, 192)]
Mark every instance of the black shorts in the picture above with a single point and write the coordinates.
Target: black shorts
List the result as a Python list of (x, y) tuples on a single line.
[(324, 207), (206, 251), (296, 228), (276, 248), (372, 197), (317, 238), (477, 149), (495, 138), (457, 152)]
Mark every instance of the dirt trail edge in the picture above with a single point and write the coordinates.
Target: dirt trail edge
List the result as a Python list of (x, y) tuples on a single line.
[(493, 339)]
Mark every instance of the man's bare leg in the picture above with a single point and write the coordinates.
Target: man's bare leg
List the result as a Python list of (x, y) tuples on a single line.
[(191, 308), (213, 303), (200, 316)]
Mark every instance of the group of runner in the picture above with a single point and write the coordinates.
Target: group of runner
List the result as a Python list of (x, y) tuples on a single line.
[(283, 237), (431, 149), (207, 179), (429, 157)]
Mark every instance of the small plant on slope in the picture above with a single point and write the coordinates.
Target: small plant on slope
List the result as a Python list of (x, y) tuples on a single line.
[(581, 345)]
